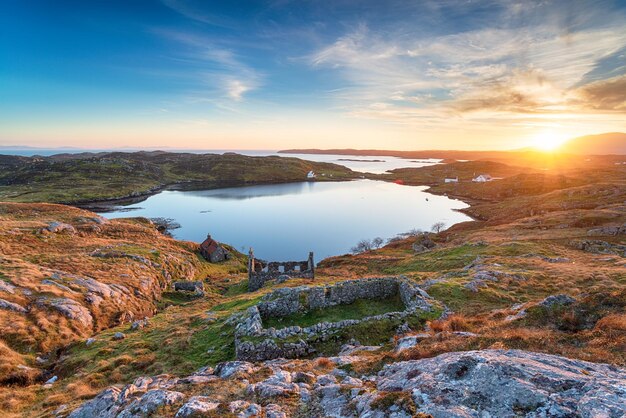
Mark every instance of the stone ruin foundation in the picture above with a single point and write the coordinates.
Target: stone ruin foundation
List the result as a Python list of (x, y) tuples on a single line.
[(260, 271), (254, 342)]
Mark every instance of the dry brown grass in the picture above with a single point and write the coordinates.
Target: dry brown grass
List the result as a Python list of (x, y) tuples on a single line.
[(323, 363), (452, 323)]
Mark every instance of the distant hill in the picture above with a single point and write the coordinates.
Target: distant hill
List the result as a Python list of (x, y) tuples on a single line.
[(602, 144)]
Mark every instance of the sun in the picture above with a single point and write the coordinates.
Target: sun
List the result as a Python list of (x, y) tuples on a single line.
[(548, 141)]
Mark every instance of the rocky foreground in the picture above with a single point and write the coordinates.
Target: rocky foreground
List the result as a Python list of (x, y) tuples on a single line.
[(486, 383)]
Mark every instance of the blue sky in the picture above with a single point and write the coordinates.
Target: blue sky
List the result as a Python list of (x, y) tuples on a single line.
[(279, 74)]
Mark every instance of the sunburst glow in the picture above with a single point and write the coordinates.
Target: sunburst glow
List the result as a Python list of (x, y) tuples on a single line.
[(548, 141)]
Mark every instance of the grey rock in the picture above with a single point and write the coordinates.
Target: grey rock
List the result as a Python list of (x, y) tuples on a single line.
[(10, 306), (60, 227), (150, 402), (410, 341), (139, 324), (104, 405), (274, 411), (501, 383), (197, 406), (7, 287), (561, 299), (277, 385), (231, 368), (119, 336), (69, 308)]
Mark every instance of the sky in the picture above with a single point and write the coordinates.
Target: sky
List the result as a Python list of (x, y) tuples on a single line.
[(393, 74)]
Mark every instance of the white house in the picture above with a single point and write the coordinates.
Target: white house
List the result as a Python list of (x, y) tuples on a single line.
[(310, 175), (451, 180), (482, 178)]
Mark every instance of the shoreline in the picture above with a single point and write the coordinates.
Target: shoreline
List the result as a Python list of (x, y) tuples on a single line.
[(110, 205)]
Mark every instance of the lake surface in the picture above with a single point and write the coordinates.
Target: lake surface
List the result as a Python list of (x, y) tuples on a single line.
[(285, 221)]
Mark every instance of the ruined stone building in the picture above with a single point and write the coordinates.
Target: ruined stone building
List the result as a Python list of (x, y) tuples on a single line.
[(260, 271), (212, 251)]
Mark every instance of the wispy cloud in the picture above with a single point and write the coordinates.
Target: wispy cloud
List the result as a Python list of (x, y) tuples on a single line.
[(218, 71), (510, 70)]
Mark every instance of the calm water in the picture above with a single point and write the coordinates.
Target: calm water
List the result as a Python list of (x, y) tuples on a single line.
[(286, 221)]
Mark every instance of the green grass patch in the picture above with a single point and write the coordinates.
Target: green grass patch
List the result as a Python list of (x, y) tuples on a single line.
[(359, 309), (237, 289), (238, 304), (460, 299)]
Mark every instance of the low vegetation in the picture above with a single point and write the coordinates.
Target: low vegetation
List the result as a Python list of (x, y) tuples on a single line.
[(88, 177), (533, 238)]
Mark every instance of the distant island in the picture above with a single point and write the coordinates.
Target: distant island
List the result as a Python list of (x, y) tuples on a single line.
[(361, 161)]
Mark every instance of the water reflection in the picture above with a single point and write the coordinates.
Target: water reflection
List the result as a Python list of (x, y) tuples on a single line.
[(243, 193), (286, 221)]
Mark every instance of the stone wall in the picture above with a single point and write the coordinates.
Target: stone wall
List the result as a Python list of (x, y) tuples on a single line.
[(260, 271), (253, 342)]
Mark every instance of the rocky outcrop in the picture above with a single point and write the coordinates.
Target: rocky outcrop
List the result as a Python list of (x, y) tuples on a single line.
[(507, 384), (69, 308), (487, 383), (600, 247), (10, 306)]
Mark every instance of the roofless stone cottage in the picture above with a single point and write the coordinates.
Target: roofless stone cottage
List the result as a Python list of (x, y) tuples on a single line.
[(260, 271)]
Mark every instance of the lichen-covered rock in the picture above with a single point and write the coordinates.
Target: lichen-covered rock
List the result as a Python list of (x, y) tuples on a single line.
[(277, 385), (231, 368), (197, 406), (69, 308), (103, 406), (487, 383), (150, 402), (410, 341), (507, 383)]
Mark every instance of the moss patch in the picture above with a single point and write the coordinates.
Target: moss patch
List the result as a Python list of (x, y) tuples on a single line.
[(361, 308)]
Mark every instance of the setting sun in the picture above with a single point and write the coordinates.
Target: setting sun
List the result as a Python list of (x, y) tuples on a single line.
[(548, 141)]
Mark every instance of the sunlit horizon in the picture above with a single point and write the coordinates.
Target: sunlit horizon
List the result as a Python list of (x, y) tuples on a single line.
[(264, 75)]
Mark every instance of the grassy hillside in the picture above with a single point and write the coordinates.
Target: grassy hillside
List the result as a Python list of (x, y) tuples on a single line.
[(538, 234), (86, 177)]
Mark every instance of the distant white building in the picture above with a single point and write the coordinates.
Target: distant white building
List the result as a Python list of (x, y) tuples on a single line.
[(483, 178), (451, 180), (311, 175)]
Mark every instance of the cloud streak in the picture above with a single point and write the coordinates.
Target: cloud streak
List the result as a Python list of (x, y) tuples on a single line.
[(509, 71), (217, 71)]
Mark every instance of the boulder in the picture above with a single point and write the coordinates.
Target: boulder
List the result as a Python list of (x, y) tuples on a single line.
[(410, 341), (231, 368), (197, 406), (59, 227), (553, 300), (152, 400), (196, 287)]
